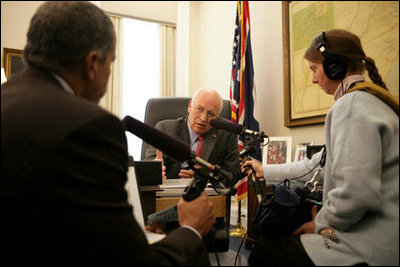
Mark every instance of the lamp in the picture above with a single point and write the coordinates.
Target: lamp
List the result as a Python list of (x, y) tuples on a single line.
[(3, 76)]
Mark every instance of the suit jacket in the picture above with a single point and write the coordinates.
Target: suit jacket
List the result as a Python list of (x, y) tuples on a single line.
[(64, 164), (220, 147)]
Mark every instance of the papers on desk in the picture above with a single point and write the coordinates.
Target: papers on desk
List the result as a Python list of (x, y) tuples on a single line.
[(176, 183), (135, 200), (153, 237), (175, 187)]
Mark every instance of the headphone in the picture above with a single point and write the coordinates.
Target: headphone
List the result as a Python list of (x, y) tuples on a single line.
[(334, 65)]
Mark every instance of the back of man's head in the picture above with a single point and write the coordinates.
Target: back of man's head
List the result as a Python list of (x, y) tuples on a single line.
[(61, 34)]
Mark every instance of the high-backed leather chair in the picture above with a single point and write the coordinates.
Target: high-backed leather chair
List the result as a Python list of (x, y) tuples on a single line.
[(162, 108)]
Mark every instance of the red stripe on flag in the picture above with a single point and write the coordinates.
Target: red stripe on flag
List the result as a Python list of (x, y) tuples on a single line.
[(242, 189)]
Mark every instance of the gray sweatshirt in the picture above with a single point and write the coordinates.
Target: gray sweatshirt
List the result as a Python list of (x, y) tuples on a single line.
[(361, 184)]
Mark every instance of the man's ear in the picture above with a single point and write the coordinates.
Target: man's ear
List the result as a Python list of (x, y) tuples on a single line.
[(190, 105), (91, 65)]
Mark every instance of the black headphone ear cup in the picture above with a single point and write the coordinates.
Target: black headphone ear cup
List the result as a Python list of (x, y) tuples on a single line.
[(334, 66)]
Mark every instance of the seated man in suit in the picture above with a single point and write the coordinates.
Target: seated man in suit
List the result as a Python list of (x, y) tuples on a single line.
[(211, 144)]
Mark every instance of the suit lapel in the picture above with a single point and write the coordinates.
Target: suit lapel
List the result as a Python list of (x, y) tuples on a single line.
[(184, 132)]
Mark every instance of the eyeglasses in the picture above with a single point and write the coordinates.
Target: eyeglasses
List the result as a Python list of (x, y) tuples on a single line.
[(209, 114)]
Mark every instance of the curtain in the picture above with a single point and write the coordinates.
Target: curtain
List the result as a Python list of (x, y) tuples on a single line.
[(112, 100), (168, 44)]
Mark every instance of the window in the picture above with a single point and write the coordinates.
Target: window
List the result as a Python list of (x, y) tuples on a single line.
[(141, 72)]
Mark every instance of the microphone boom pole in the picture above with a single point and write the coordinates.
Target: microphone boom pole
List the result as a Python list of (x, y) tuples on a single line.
[(251, 138)]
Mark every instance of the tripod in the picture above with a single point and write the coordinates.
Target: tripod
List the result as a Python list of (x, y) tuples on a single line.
[(250, 142)]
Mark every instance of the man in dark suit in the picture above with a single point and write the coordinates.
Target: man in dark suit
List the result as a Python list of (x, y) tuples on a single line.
[(64, 159), (219, 147)]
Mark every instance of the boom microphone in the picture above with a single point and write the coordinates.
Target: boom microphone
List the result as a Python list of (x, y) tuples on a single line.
[(235, 128), (166, 143), (227, 125)]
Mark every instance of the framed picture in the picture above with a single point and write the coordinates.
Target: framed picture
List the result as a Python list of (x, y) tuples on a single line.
[(312, 149), (375, 22), (12, 61), (301, 151), (278, 150)]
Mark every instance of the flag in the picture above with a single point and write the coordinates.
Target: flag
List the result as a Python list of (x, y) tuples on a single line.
[(242, 87)]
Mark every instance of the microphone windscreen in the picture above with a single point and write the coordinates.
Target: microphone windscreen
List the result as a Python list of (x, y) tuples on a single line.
[(164, 142), (227, 125)]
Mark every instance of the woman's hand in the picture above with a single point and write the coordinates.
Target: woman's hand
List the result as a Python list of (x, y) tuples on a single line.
[(256, 167)]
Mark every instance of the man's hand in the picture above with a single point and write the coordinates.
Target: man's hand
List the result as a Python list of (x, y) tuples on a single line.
[(186, 173), (157, 228), (198, 213), (159, 156), (309, 227)]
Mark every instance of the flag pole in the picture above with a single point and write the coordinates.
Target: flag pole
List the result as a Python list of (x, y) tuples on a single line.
[(241, 93), (239, 231)]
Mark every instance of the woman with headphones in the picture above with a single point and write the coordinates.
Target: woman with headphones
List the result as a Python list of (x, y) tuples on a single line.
[(358, 222)]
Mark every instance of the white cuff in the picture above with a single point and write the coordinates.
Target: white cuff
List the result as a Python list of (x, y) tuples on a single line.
[(194, 230)]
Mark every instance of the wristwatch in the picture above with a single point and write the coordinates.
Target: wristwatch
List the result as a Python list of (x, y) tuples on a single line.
[(328, 233)]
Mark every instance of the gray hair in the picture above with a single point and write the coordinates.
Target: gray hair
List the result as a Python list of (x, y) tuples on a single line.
[(203, 90), (61, 34)]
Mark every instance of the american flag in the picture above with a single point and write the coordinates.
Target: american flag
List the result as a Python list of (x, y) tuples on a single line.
[(242, 86)]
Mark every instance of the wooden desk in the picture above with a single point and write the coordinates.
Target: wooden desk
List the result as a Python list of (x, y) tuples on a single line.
[(151, 204), (222, 209), (148, 194), (218, 202)]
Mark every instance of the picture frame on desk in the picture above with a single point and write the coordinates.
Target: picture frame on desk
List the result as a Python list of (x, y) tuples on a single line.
[(12, 61), (301, 151), (312, 149), (278, 150)]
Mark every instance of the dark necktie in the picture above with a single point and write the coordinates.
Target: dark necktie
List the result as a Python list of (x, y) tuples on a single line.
[(199, 148)]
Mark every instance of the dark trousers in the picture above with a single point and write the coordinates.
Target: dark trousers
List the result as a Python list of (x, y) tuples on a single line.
[(282, 251)]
